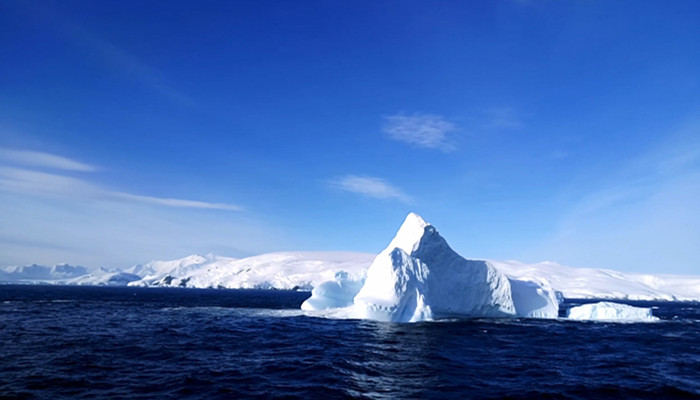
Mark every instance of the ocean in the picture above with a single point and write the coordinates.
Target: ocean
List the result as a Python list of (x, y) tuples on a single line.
[(67, 342)]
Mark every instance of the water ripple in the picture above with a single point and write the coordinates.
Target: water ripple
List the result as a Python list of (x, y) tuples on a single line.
[(223, 344)]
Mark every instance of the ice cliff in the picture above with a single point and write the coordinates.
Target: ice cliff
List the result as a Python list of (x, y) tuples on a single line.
[(419, 277)]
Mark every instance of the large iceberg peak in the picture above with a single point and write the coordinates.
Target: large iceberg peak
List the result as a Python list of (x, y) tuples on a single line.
[(410, 233), (418, 276)]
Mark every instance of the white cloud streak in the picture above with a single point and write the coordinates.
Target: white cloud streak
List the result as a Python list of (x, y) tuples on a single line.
[(43, 160), (420, 130), (372, 187), (160, 201), (50, 184)]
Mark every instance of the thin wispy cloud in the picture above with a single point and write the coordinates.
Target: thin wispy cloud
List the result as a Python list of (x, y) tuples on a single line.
[(644, 211), (501, 118), (421, 130), (19, 179), (27, 181), (123, 62), (43, 160), (111, 55), (175, 202), (372, 187)]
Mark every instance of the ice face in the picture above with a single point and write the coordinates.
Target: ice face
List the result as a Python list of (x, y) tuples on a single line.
[(534, 299), (394, 290), (608, 311), (419, 277)]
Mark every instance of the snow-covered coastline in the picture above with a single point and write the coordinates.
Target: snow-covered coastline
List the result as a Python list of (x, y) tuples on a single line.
[(305, 270), (343, 271)]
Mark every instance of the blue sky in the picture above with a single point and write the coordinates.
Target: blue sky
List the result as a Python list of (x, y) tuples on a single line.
[(529, 130)]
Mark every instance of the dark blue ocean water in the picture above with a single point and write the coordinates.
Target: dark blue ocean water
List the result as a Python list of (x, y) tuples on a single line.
[(134, 343)]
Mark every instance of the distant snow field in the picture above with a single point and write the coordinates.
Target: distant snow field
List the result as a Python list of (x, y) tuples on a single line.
[(344, 274)]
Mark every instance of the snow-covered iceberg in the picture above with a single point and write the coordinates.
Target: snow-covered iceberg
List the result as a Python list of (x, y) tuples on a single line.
[(336, 293), (534, 298), (419, 277), (611, 312)]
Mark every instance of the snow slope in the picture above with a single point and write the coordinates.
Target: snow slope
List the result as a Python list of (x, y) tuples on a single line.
[(64, 274), (32, 273), (308, 269), (589, 283), (291, 270), (611, 312), (346, 271)]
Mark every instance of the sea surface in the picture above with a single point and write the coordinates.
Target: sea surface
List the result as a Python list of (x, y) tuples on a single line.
[(147, 343)]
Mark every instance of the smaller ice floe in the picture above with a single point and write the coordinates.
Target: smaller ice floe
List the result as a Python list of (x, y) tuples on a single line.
[(336, 293), (611, 312)]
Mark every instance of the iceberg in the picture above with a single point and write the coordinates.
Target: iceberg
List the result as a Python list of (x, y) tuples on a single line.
[(418, 277), (336, 293), (535, 298), (611, 312)]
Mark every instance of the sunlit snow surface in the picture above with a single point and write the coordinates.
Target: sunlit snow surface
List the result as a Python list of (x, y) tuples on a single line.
[(289, 270), (307, 270), (592, 283)]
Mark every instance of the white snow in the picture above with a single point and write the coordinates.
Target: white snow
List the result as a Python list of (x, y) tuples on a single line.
[(336, 293), (298, 270), (590, 283), (64, 274), (419, 277), (533, 287), (611, 312), (35, 272), (534, 298)]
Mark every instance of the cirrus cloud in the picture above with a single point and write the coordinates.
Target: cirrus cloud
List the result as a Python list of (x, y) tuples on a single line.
[(372, 187), (420, 130), (16, 177), (43, 160)]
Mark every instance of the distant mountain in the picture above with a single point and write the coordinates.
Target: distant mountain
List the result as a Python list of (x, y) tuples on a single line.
[(592, 283), (298, 270), (39, 272), (64, 274), (305, 270)]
